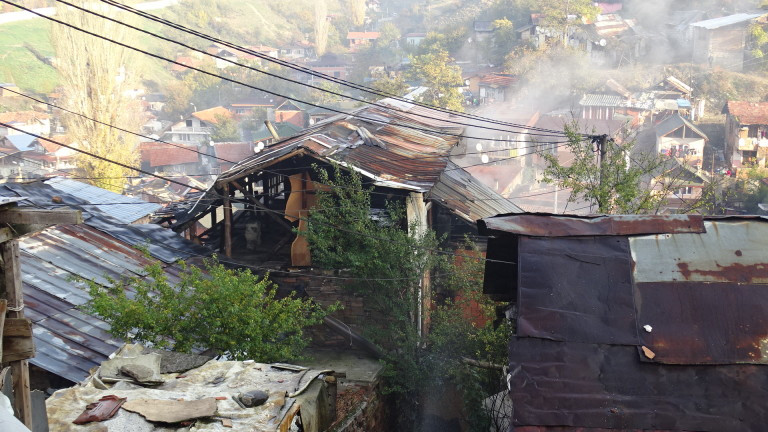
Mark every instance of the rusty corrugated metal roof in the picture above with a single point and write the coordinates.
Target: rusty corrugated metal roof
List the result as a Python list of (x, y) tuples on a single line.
[(68, 341), (548, 225), (621, 329), (467, 196), (381, 146)]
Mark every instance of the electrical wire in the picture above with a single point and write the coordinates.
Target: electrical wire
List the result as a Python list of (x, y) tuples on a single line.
[(232, 80), (293, 81), (311, 72)]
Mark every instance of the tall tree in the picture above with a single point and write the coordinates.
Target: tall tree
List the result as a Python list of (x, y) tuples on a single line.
[(321, 27), (95, 80), (356, 11), (606, 174), (441, 79)]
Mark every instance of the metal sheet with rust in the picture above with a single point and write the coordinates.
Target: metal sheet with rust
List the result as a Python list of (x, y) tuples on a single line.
[(606, 386), (703, 323), (731, 251), (576, 289), (547, 225)]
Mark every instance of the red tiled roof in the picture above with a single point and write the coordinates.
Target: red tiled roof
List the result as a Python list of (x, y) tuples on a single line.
[(161, 154), (498, 80), (210, 115), (186, 61), (22, 116), (748, 113), (53, 148), (233, 151), (363, 35)]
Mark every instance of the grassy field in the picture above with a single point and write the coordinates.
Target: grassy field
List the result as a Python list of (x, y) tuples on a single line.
[(18, 64)]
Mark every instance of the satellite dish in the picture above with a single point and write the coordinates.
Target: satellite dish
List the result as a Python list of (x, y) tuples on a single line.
[(603, 42), (479, 147), (258, 147), (311, 121), (484, 158)]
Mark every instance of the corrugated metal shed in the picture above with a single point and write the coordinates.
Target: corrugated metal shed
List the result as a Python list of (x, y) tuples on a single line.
[(133, 210), (623, 328)]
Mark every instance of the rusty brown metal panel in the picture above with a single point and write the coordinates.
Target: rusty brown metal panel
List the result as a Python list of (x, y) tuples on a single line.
[(568, 384), (576, 289), (703, 323), (732, 250), (546, 225)]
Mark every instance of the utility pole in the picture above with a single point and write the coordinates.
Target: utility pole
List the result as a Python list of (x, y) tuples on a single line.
[(602, 152)]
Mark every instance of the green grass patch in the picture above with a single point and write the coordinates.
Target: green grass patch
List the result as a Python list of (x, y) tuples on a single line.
[(18, 64)]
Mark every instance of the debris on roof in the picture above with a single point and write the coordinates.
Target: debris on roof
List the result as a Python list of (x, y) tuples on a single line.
[(643, 319), (103, 409), (250, 395)]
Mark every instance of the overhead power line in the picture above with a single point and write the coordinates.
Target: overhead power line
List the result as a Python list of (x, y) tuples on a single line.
[(187, 148), (312, 72), (293, 81), (235, 81)]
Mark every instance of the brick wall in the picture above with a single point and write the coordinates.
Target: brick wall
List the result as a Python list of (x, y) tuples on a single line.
[(327, 290)]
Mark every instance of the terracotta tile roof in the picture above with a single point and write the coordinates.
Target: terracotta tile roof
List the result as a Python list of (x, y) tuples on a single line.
[(498, 80), (210, 115), (748, 113), (53, 148), (363, 35), (233, 151), (22, 116), (186, 61), (161, 154)]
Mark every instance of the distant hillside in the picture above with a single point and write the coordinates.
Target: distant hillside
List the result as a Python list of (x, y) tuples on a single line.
[(19, 64), (25, 45)]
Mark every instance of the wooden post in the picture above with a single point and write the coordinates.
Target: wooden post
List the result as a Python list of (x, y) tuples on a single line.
[(227, 223), (13, 293)]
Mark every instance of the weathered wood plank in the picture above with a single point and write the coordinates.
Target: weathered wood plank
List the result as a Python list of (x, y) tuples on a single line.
[(3, 308), (17, 349), (40, 217), (19, 327)]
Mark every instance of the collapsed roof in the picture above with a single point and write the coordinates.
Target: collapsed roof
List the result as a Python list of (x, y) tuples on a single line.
[(393, 145)]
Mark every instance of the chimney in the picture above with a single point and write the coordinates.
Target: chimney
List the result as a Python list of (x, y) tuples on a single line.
[(272, 130)]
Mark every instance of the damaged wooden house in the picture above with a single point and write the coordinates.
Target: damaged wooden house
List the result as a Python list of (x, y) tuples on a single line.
[(401, 150)]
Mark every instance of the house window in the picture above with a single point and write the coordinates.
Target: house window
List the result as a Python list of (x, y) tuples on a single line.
[(688, 190), (189, 123)]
